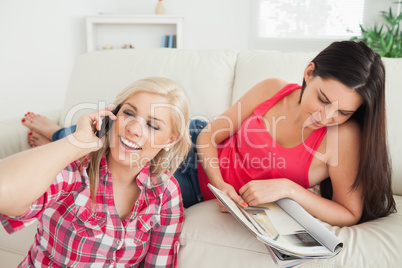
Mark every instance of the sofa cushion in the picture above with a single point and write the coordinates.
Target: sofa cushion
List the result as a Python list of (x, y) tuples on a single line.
[(213, 239), (210, 239), (14, 248), (97, 77), (255, 66)]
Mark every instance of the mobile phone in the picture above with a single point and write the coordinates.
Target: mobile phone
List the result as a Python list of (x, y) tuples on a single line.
[(106, 124)]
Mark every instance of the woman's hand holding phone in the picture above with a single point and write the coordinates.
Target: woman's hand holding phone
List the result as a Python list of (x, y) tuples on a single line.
[(106, 123), (89, 127)]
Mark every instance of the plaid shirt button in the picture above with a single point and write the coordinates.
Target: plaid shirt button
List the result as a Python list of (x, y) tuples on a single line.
[(118, 243)]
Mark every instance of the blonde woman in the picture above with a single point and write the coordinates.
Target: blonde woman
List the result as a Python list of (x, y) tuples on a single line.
[(105, 200)]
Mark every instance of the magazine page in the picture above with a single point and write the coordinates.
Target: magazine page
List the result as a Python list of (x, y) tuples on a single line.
[(282, 260), (280, 230), (275, 227), (234, 210), (314, 227)]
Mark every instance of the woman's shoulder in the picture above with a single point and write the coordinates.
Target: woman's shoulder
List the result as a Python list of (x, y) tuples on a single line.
[(271, 86), (275, 82), (165, 183), (347, 134), (72, 172), (172, 194), (344, 139), (172, 186), (342, 143), (350, 130), (264, 90)]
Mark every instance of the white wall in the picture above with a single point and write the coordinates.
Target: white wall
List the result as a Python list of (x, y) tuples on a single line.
[(40, 40), (208, 24)]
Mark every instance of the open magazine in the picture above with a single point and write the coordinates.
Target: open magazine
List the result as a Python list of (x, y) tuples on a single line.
[(290, 233)]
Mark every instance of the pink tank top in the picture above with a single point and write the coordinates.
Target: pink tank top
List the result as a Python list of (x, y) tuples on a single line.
[(252, 154)]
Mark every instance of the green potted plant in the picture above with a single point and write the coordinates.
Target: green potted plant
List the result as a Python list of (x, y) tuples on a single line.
[(385, 39)]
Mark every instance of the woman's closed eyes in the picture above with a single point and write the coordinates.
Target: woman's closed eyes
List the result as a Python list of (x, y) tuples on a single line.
[(150, 122)]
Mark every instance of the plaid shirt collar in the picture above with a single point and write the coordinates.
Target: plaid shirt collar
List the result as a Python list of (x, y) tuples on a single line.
[(144, 178)]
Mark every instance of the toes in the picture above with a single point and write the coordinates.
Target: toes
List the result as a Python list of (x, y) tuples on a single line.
[(30, 120), (30, 116), (35, 139), (26, 119), (31, 139), (32, 136)]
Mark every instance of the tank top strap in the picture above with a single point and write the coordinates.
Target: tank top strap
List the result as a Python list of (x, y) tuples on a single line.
[(313, 141), (263, 107)]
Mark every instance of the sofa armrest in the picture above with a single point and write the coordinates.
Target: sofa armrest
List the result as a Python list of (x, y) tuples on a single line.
[(13, 134)]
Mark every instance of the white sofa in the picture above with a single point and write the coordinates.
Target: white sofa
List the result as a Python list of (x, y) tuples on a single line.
[(214, 79)]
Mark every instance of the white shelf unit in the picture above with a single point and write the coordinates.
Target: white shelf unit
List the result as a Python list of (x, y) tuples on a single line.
[(141, 31)]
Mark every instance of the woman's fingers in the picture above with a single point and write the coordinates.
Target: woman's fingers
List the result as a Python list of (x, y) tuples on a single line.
[(102, 113), (222, 208), (237, 198), (245, 193), (86, 127), (231, 192), (96, 118)]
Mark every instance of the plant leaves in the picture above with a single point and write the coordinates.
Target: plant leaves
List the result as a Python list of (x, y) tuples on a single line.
[(385, 39)]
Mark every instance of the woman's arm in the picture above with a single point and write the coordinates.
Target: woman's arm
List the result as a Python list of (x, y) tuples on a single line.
[(228, 124), (26, 176), (346, 205)]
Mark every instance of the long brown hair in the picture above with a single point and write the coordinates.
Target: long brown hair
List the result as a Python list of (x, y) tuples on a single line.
[(358, 67)]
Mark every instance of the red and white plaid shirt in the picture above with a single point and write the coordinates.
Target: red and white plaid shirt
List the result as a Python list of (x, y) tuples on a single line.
[(71, 234)]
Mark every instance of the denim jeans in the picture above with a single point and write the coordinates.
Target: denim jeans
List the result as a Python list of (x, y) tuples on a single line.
[(186, 174), (63, 132)]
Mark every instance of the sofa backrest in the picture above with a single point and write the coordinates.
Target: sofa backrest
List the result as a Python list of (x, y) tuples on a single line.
[(207, 76), (214, 80), (255, 66), (393, 92)]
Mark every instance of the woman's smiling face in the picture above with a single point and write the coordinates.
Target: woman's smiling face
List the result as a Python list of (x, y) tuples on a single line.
[(142, 129), (327, 102)]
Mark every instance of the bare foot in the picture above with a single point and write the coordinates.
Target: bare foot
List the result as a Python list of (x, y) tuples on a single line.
[(40, 124), (35, 139)]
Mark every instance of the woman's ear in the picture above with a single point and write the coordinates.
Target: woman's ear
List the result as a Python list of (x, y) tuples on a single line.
[(173, 140), (308, 72)]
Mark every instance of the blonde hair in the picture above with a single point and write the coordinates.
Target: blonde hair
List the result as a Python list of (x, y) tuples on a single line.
[(165, 160)]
